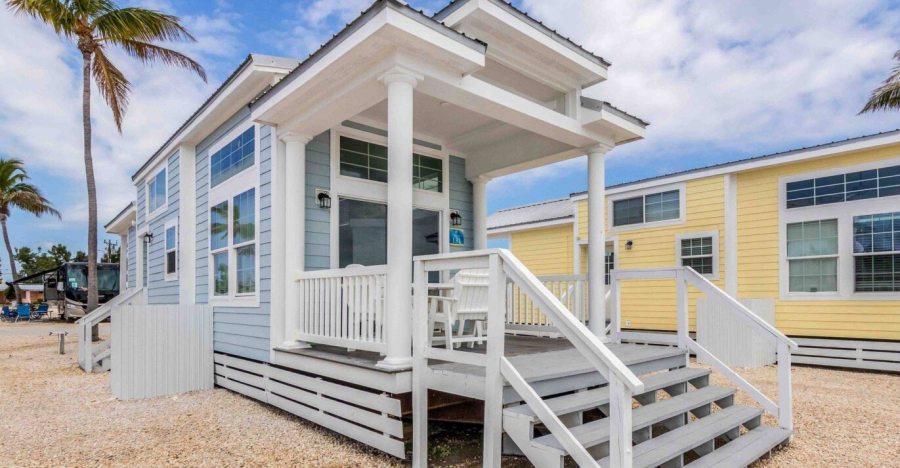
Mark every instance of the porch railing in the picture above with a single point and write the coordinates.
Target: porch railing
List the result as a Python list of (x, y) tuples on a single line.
[(95, 357), (685, 277), (343, 307), (504, 267)]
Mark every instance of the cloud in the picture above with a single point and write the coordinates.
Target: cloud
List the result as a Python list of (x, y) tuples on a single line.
[(309, 25), (40, 107), (728, 79)]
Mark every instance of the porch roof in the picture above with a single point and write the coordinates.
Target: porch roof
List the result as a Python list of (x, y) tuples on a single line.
[(560, 209)]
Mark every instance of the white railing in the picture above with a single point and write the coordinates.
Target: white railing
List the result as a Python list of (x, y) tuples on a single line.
[(523, 314), (685, 277), (503, 266), (343, 307), (91, 354)]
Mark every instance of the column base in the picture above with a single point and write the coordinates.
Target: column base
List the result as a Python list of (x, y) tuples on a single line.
[(395, 364), (294, 345)]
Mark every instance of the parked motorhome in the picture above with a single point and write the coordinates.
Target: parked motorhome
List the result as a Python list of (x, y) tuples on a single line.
[(66, 286)]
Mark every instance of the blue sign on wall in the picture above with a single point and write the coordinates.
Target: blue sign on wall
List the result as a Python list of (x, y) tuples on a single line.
[(457, 237)]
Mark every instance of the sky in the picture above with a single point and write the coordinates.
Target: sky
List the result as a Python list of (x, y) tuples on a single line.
[(718, 81)]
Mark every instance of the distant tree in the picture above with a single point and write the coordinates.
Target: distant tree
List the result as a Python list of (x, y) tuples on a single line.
[(98, 26), (34, 261), (80, 257), (60, 253), (887, 96), (16, 192)]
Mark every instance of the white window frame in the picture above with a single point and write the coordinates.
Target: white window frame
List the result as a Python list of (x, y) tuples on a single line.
[(373, 191), (871, 254), (151, 215), (715, 250), (844, 212), (225, 192), (682, 207), (172, 223)]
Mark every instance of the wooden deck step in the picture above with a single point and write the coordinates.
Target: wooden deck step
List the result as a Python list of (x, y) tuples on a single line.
[(597, 397), (597, 432), (673, 444), (745, 450)]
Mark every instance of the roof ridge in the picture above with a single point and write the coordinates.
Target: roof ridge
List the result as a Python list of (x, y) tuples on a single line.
[(529, 205)]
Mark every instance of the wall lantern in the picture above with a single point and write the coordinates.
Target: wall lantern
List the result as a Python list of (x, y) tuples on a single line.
[(455, 218), (323, 199), (148, 237), (629, 245)]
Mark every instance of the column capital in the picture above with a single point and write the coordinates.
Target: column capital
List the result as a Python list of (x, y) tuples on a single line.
[(482, 179), (601, 148), (401, 75), (290, 137)]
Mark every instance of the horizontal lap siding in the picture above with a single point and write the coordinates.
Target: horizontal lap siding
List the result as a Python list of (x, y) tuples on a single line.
[(318, 220), (759, 262), (159, 290), (461, 200), (546, 251), (131, 253)]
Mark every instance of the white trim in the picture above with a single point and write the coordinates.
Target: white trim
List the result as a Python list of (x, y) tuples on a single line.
[(696, 235), (682, 208), (225, 192), (187, 228), (731, 234), (152, 215), (139, 247), (534, 225), (843, 212), (172, 223)]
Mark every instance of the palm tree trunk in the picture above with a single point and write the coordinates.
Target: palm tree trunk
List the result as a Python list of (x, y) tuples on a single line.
[(12, 261), (93, 298)]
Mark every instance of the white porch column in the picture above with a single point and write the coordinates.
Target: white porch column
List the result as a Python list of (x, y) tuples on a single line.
[(596, 239), (479, 202), (187, 225), (123, 262), (398, 288), (295, 227)]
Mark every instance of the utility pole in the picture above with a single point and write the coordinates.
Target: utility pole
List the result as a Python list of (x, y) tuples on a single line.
[(111, 246)]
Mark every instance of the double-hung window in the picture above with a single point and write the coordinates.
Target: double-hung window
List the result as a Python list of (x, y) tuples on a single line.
[(697, 253), (812, 253), (876, 252), (156, 193), (171, 257), (650, 208), (233, 245)]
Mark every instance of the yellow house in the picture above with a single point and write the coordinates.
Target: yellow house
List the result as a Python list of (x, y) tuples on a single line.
[(816, 230)]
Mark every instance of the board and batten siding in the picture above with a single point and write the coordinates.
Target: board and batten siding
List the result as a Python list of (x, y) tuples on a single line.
[(461, 200), (759, 262), (318, 220), (546, 251), (240, 331), (651, 304)]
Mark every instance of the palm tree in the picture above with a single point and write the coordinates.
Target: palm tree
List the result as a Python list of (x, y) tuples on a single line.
[(16, 192), (96, 25), (886, 96)]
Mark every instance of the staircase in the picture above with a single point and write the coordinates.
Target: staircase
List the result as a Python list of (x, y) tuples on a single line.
[(680, 419), (95, 357)]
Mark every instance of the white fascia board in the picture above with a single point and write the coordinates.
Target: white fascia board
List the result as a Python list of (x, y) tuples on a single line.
[(429, 35), (530, 226), (596, 120), (121, 223), (503, 165), (875, 142)]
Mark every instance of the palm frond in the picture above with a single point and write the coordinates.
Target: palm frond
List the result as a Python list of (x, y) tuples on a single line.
[(16, 192), (887, 96), (148, 53), (140, 24), (56, 13), (91, 8), (112, 84)]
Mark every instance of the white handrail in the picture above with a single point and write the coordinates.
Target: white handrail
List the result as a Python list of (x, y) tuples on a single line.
[(87, 323)]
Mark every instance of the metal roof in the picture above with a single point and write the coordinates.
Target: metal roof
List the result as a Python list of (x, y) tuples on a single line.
[(127, 208), (551, 210)]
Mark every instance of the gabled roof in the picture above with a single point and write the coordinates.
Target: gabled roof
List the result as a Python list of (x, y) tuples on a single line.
[(551, 210), (565, 41)]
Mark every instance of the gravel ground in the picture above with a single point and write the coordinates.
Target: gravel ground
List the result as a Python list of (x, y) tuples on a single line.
[(63, 417)]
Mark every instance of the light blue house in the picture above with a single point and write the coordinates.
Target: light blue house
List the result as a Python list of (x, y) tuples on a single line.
[(332, 211)]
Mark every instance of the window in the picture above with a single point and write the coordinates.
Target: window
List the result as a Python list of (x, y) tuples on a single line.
[(609, 263), (233, 158), (171, 258), (862, 185), (697, 253), (232, 244), (368, 161), (876, 251), (812, 252), (649, 208), (156, 192), (362, 232)]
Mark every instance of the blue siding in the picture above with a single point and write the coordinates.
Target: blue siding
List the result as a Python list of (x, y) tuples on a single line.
[(318, 221), (131, 255), (240, 331), (161, 291), (461, 199)]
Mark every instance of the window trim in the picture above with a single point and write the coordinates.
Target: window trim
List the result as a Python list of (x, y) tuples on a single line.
[(715, 276), (856, 255), (172, 223), (844, 213), (682, 207), (836, 256), (151, 215), (225, 192)]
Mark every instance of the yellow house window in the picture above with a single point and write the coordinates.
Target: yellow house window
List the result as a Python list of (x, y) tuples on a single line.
[(812, 251)]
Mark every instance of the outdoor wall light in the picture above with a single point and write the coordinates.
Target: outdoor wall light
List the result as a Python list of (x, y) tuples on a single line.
[(323, 199), (629, 245), (148, 237), (455, 218)]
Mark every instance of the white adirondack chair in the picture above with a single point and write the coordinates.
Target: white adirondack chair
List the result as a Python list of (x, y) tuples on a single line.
[(468, 302)]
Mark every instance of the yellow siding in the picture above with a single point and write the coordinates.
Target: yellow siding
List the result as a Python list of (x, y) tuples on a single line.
[(547, 251), (758, 259)]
